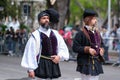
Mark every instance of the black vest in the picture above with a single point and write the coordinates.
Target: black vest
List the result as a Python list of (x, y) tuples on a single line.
[(95, 41), (49, 44)]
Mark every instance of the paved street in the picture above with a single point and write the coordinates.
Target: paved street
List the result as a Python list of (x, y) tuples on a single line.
[(10, 69)]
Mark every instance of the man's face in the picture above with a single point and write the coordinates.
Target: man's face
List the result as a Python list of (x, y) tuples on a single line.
[(91, 20), (44, 22)]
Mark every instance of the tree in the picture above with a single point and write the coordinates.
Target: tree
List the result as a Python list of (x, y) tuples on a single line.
[(2, 5), (62, 6), (63, 9), (9, 9), (77, 7), (72, 10)]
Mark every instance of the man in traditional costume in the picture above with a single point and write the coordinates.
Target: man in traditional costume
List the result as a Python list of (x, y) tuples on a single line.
[(88, 44), (45, 48)]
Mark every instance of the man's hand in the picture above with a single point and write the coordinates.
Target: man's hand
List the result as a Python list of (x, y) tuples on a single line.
[(55, 59), (92, 51), (31, 74), (101, 51)]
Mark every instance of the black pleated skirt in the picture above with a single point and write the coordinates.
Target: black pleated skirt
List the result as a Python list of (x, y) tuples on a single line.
[(88, 68), (47, 69)]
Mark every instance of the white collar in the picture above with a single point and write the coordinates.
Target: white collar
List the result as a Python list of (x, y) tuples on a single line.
[(89, 28), (43, 29)]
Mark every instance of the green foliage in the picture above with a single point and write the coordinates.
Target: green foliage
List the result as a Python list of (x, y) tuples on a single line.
[(3, 28), (100, 6), (2, 4), (9, 9), (23, 26), (75, 11)]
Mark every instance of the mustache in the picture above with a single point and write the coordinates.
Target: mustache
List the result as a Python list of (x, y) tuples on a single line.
[(45, 24)]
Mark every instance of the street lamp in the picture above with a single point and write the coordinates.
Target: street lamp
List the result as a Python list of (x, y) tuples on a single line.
[(118, 16), (109, 15)]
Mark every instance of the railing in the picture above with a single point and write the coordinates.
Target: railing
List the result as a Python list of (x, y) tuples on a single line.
[(19, 45), (12, 46)]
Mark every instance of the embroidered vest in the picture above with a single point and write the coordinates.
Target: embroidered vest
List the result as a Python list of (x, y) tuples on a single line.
[(95, 40), (49, 44)]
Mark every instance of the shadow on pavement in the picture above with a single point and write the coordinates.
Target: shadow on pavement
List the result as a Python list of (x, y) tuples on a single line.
[(22, 79)]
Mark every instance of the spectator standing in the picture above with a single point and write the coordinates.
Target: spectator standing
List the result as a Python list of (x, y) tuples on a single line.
[(105, 37), (118, 42)]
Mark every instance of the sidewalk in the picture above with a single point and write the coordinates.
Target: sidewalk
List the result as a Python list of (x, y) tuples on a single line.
[(113, 56), (10, 69)]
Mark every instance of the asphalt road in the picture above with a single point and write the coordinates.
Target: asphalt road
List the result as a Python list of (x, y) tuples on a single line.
[(10, 69)]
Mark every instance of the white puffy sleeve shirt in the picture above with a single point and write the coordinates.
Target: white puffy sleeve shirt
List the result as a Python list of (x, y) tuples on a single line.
[(29, 60)]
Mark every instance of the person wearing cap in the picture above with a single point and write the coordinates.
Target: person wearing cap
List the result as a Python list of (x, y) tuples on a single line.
[(89, 46), (45, 48)]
